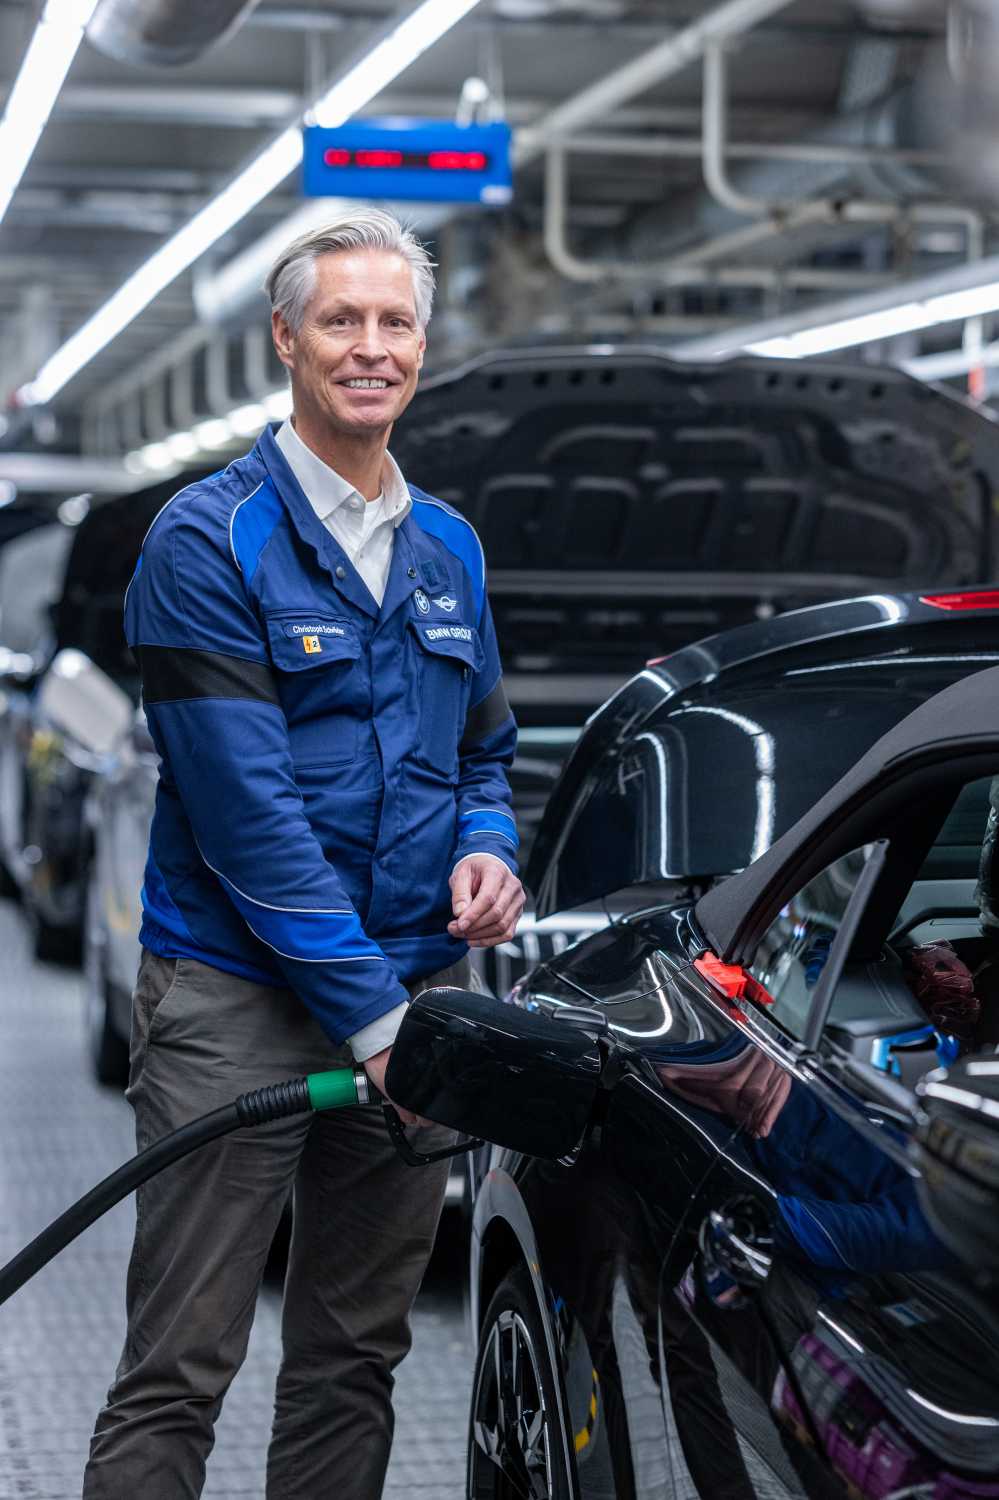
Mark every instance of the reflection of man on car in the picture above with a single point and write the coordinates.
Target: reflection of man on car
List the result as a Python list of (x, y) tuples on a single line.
[(842, 1204)]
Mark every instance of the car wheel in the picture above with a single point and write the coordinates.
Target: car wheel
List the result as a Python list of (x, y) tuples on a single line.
[(9, 888), (108, 1050), (516, 1442), (50, 943)]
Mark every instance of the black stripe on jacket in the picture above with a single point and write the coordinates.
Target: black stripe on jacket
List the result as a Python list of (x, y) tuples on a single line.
[(172, 673)]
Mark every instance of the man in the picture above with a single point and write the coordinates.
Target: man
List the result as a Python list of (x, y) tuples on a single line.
[(332, 832)]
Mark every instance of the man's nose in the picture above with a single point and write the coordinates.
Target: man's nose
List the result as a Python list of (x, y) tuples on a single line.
[(370, 342)]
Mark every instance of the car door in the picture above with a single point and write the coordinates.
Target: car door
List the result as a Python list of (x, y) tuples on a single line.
[(627, 1205), (855, 1351)]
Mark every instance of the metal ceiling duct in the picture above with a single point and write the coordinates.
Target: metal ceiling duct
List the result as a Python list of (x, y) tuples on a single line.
[(163, 33)]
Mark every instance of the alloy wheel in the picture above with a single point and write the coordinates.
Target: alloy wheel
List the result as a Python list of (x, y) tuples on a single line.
[(510, 1456)]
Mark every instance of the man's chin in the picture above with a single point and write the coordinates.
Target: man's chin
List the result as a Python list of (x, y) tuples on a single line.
[(358, 423)]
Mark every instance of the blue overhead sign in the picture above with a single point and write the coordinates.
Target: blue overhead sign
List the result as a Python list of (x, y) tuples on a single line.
[(430, 161)]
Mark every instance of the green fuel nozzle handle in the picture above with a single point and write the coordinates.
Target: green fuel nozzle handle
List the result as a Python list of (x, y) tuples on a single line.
[(338, 1088)]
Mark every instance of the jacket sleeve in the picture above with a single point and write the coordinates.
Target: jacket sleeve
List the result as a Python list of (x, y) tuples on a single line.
[(216, 719), (486, 823)]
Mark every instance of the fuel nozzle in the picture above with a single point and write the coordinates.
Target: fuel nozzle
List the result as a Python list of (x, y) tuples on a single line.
[(497, 1072)]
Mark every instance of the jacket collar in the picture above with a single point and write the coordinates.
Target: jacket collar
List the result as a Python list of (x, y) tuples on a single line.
[(312, 531)]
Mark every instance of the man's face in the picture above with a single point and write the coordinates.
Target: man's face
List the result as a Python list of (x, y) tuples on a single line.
[(354, 362)]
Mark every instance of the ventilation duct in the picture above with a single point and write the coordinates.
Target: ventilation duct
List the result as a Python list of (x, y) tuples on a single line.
[(163, 33)]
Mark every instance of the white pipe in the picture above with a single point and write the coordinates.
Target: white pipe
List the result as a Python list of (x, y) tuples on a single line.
[(671, 56), (163, 33), (714, 130), (595, 143), (690, 269)]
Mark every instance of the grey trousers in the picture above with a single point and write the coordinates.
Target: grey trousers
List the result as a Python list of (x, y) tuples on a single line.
[(364, 1226)]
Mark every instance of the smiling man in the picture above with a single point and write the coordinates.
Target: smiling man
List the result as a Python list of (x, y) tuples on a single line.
[(332, 832)]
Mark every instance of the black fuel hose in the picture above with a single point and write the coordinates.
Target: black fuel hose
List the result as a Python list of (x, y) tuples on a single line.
[(332, 1090)]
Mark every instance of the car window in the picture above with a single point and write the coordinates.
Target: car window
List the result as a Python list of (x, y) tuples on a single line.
[(932, 991), (790, 959)]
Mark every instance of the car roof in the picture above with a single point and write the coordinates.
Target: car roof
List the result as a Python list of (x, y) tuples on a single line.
[(959, 722)]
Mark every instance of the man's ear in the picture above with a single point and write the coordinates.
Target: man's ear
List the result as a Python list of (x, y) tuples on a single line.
[(422, 349), (284, 339)]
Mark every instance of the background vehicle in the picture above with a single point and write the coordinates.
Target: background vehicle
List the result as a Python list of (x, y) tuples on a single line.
[(731, 1287), (65, 716)]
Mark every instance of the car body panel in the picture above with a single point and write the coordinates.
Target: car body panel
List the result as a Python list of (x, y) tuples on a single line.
[(860, 1357)]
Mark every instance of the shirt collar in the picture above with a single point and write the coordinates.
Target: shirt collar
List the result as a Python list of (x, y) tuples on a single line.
[(326, 490)]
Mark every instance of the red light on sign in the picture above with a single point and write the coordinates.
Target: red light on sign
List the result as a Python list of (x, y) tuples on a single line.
[(457, 161), (336, 156), (378, 158)]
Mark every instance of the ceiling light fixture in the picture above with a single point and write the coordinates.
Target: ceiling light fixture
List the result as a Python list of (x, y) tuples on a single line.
[(886, 323), (420, 29), (47, 61)]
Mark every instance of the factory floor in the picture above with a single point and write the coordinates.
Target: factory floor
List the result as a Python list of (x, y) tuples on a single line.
[(60, 1336)]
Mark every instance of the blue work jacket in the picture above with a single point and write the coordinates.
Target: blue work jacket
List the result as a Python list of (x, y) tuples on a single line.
[(324, 762)]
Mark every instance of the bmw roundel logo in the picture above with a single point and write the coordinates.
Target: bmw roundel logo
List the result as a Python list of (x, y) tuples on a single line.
[(422, 602)]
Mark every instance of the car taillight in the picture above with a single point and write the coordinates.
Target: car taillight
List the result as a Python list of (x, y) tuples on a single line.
[(973, 599)]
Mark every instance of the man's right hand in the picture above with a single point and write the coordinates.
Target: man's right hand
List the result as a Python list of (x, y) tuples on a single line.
[(375, 1067)]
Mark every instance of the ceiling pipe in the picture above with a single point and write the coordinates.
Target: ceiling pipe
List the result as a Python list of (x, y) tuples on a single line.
[(659, 63), (163, 33), (691, 269), (779, 215), (714, 137)]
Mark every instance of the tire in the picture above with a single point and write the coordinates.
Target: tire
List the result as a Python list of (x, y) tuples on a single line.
[(517, 1447), (51, 944), (108, 1050)]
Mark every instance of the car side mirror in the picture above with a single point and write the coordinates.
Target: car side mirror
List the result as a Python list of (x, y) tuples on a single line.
[(80, 701), (514, 1077), (956, 1147)]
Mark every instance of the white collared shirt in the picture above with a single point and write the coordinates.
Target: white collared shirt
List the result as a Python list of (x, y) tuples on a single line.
[(365, 529)]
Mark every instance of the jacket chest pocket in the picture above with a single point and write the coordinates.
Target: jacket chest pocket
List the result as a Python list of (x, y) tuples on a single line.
[(317, 666), (447, 657)]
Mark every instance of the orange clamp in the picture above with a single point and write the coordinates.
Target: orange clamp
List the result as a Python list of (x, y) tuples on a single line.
[(731, 980)]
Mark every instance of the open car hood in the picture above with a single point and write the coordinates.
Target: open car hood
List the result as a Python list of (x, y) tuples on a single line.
[(629, 504)]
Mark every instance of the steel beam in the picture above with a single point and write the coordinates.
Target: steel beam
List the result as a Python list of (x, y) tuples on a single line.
[(71, 473)]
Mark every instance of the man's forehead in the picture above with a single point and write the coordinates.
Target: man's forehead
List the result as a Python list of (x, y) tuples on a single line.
[(368, 275)]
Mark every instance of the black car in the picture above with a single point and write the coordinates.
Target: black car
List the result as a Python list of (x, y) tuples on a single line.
[(747, 1278)]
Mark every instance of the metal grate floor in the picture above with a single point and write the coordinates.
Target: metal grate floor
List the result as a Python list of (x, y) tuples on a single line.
[(60, 1336)]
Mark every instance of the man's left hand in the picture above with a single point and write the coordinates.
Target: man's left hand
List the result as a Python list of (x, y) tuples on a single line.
[(487, 900)]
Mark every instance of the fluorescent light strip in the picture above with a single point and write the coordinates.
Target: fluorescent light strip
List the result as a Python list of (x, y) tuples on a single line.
[(211, 435), (887, 322), (388, 58), (47, 61)]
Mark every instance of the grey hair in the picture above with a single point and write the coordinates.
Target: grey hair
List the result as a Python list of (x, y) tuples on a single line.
[(292, 277)]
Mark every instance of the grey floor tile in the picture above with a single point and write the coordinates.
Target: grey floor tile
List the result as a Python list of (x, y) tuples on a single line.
[(60, 1336)]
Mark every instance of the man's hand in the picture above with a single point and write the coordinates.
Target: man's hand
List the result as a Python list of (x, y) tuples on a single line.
[(375, 1068), (487, 900)]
